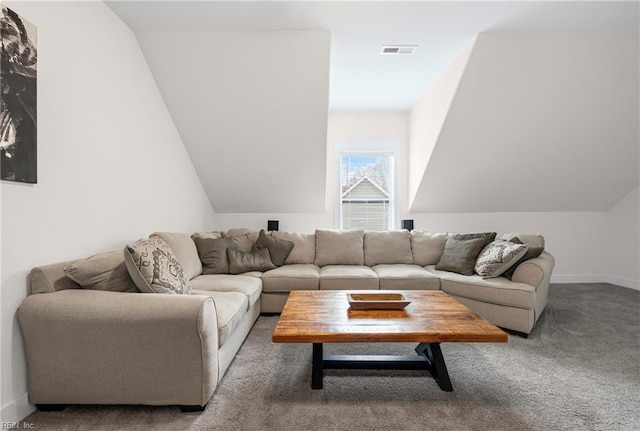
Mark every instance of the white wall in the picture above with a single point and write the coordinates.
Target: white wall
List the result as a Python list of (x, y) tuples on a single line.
[(251, 108), (342, 127), (580, 241), (623, 241), (576, 240), (112, 167)]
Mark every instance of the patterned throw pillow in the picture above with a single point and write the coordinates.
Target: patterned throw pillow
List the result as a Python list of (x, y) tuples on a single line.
[(531, 253), (154, 268), (497, 257)]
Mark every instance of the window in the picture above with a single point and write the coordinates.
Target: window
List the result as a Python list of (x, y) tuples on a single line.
[(366, 190)]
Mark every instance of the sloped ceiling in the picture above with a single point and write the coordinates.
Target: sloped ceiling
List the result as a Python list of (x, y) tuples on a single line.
[(251, 108), (361, 79), (429, 114), (540, 121)]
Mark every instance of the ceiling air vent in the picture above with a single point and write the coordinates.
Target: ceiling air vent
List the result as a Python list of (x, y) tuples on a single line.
[(398, 49)]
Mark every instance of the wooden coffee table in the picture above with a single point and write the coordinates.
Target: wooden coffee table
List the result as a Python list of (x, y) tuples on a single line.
[(433, 317)]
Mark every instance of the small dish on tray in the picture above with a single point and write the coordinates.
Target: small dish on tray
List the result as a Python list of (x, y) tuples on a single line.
[(377, 301)]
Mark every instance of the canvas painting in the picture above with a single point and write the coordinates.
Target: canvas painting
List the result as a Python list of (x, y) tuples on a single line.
[(18, 120)]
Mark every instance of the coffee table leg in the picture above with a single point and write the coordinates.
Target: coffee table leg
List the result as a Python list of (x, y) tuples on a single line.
[(437, 367), (316, 367)]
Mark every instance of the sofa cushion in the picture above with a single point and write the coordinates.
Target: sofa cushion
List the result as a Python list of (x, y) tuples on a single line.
[(255, 274), (304, 246), (339, 247), (248, 285), (427, 247), (279, 249), (406, 277), (154, 268), (103, 271), (245, 261), (498, 290), (387, 247), (291, 277), (532, 252), (497, 257), (185, 251), (348, 277), (231, 307), (213, 254), (488, 237), (460, 255)]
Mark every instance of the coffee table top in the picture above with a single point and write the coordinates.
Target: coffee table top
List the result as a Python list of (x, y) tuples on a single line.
[(324, 316)]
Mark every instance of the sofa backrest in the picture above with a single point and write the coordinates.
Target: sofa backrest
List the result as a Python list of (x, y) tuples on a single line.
[(387, 247), (339, 247), (427, 247), (532, 240), (304, 246), (184, 248)]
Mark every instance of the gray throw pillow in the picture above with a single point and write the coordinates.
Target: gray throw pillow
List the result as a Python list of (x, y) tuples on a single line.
[(487, 237), (154, 268), (244, 241), (497, 257), (279, 249), (531, 253), (460, 255), (213, 254), (245, 261), (103, 271)]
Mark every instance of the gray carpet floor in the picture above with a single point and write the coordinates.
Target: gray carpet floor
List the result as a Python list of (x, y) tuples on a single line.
[(578, 370)]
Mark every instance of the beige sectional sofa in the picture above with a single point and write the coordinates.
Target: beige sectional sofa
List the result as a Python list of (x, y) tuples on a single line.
[(401, 260), (87, 346)]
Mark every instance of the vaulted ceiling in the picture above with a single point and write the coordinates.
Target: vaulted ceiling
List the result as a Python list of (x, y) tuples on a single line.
[(361, 79), (540, 112)]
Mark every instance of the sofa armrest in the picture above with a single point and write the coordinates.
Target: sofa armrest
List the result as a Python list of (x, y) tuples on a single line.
[(96, 347), (534, 271)]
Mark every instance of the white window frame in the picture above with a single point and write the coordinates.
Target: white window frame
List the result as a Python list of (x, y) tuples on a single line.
[(368, 149)]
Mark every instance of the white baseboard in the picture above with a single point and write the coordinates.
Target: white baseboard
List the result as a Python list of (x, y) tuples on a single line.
[(578, 278), (624, 282), (595, 278), (17, 410)]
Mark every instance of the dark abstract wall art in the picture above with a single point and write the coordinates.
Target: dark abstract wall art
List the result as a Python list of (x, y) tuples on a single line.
[(18, 91)]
